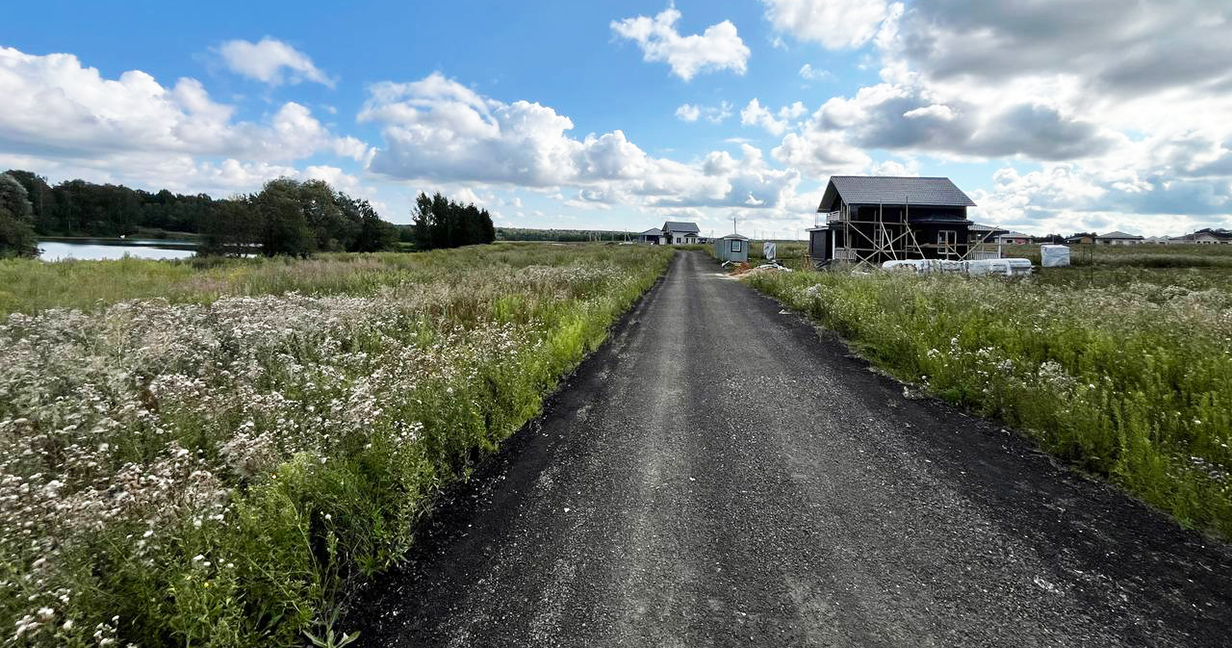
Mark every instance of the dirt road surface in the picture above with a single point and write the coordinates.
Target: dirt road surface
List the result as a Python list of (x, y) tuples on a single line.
[(718, 474)]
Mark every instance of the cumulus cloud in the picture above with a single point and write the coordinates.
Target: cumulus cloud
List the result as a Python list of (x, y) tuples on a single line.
[(754, 114), (439, 130), (916, 118), (688, 112), (66, 120), (909, 167), (718, 48), (54, 106), (836, 24), (1064, 197), (271, 61), (1129, 49), (713, 114), (820, 153), (807, 71)]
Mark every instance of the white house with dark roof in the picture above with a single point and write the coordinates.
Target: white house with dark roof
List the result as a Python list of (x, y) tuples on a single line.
[(1118, 238), (681, 233)]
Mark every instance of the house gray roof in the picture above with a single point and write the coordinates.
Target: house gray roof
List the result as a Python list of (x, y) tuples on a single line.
[(893, 190), (1118, 235), (654, 231), (736, 237), (680, 227)]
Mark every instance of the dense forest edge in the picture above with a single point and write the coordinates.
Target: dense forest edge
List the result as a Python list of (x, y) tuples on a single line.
[(286, 217)]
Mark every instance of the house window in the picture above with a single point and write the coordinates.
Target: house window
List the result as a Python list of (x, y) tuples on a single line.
[(737, 246), (947, 242)]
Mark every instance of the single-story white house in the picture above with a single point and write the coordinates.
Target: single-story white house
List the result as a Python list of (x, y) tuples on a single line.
[(653, 236), (1206, 236), (1013, 238), (1118, 238)]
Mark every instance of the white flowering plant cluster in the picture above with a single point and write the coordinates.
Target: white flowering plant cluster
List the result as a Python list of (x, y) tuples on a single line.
[(218, 473), (1131, 379)]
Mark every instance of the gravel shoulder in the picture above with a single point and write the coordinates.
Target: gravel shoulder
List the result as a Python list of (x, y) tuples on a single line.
[(720, 474)]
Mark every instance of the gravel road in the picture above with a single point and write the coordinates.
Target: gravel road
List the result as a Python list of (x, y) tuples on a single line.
[(719, 474)]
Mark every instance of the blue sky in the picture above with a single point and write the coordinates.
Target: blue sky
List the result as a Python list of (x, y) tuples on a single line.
[(1054, 115)]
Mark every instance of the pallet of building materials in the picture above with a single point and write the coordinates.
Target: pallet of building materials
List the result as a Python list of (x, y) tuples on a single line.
[(1054, 256), (974, 268)]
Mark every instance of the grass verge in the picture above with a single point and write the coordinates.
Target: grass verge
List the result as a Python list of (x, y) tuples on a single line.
[(1131, 381)]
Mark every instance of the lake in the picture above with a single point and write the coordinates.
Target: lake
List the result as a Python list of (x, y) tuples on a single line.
[(103, 249)]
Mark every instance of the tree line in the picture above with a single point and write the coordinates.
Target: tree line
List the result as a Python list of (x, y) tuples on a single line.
[(437, 222), (289, 217), (286, 217), (560, 235), (81, 208)]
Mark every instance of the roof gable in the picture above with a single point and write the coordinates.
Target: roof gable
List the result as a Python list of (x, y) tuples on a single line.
[(680, 227), (1118, 235), (893, 190)]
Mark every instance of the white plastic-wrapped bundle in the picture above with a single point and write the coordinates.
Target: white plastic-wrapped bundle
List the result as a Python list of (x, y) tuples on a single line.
[(1054, 256)]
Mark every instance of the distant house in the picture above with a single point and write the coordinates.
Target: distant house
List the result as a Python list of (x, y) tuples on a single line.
[(1013, 238), (982, 241), (1118, 238), (1079, 239), (653, 236), (981, 232), (681, 233), (1206, 236), (871, 219)]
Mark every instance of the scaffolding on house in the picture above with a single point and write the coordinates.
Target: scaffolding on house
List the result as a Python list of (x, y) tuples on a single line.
[(869, 242)]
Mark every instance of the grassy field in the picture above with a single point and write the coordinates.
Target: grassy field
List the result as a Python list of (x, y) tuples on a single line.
[(790, 253), (1122, 365), (213, 454)]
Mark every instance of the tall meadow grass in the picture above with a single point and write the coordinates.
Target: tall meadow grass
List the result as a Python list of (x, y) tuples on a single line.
[(214, 454), (1132, 381)]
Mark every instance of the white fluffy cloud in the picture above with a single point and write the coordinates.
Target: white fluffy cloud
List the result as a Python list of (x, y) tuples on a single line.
[(807, 71), (713, 114), (717, 48), (754, 114), (440, 131), (56, 107), (836, 24), (66, 120), (271, 61)]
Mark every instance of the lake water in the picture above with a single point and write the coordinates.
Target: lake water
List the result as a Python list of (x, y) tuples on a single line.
[(86, 250)]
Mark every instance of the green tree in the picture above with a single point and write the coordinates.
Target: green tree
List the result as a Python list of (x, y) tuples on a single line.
[(16, 220), (437, 222), (284, 226), (232, 228), (374, 234)]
